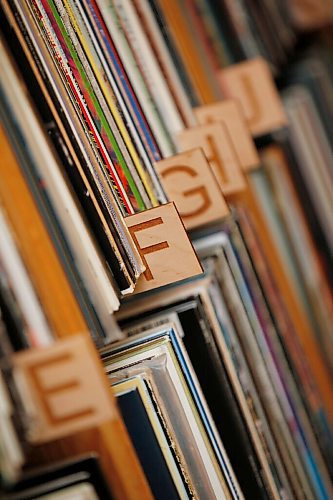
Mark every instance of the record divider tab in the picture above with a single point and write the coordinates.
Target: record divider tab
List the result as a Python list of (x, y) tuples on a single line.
[(164, 246), (189, 181)]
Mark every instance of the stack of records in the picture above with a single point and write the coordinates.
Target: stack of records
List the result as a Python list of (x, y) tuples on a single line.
[(166, 298)]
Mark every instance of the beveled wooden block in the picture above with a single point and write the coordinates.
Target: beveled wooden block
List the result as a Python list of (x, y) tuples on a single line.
[(63, 388), (215, 141), (311, 14), (188, 180), (231, 114), (164, 246), (251, 82)]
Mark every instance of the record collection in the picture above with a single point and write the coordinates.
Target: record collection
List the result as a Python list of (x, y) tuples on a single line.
[(166, 249)]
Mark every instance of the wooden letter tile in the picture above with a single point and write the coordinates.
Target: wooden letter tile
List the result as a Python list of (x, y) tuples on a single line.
[(231, 114), (252, 84), (215, 141), (188, 180), (164, 246), (311, 14), (63, 387)]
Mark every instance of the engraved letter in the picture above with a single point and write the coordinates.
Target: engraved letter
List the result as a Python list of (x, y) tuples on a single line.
[(151, 248)]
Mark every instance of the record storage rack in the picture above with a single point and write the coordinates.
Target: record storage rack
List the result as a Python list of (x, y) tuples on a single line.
[(166, 242)]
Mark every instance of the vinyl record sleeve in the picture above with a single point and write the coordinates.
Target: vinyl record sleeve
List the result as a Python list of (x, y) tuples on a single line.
[(185, 392), (146, 446), (204, 354), (133, 74), (293, 236), (100, 114), (92, 169), (11, 449), (43, 481), (142, 421), (176, 315), (308, 259), (318, 232), (165, 61), (244, 386), (208, 248), (70, 65), (172, 419), (196, 392), (166, 33), (43, 166), (312, 283), (244, 330), (217, 38), (89, 60), (60, 305), (312, 71), (242, 41), (11, 317), (34, 325), (127, 111), (272, 399), (149, 67), (230, 37), (101, 23), (198, 68), (306, 138), (247, 242), (281, 378), (265, 31), (87, 115)]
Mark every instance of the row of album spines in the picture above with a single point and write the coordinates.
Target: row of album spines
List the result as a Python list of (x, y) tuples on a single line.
[(217, 155), (215, 158)]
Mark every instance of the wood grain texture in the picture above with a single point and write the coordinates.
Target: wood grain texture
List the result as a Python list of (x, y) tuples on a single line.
[(231, 114), (164, 246), (252, 84), (189, 181), (215, 140)]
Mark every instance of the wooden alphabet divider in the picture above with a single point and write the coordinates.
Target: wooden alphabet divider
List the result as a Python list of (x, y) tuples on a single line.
[(252, 84), (164, 246), (311, 14), (215, 141), (73, 410), (231, 114), (65, 385), (188, 180)]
